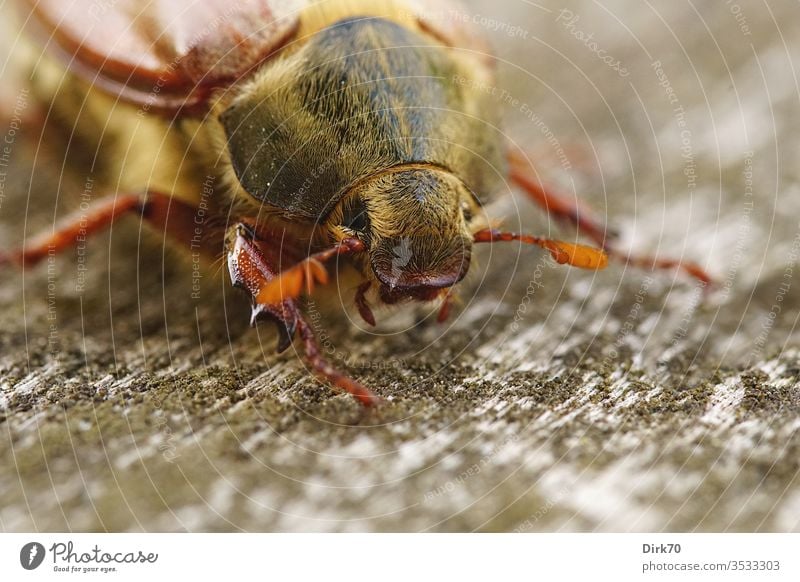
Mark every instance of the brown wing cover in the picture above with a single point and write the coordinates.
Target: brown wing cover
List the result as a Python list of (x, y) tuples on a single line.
[(453, 25), (164, 55)]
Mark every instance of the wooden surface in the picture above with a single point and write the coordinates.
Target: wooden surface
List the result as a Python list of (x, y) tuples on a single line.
[(555, 400)]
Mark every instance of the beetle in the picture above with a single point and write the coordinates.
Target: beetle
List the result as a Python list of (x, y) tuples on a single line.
[(304, 131)]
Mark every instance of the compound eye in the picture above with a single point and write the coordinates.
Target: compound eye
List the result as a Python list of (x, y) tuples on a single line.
[(467, 212), (356, 218)]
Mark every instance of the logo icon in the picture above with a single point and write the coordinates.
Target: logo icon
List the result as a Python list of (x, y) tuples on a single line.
[(31, 555), (401, 256)]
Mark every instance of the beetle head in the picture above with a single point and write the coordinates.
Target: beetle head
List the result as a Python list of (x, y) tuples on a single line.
[(415, 224)]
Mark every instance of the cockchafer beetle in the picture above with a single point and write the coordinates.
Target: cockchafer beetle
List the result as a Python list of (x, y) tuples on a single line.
[(336, 128)]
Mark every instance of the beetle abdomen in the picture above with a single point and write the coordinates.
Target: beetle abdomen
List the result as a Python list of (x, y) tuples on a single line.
[(360, 96)]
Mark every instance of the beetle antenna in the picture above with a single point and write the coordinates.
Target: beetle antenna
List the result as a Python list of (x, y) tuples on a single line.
[(564, 253)]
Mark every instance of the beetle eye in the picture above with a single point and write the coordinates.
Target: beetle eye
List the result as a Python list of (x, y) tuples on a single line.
[(356, 218), (467, 212)]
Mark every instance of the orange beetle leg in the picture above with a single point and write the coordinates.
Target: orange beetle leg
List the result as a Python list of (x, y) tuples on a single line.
[(557, 204), (565, 207), (303, 276), (563, 252), (160, 210), (652, 263), (252, 272)]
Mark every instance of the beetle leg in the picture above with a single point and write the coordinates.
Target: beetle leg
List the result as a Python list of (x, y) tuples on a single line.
[(557, 204), (563, 252), (252, 272), (323, 369), (577, 152), (161, 210), (653, 263), (304, 275), (446, 307), (363, 306), (564, 207), (65, 234)]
